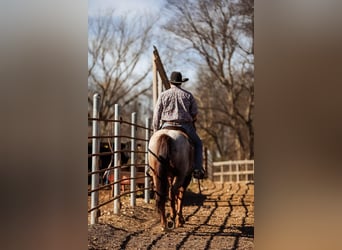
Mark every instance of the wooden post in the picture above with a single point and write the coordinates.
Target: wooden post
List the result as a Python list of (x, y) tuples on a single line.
[(160, 68), (160, 79), (155, 81), (160, 85)]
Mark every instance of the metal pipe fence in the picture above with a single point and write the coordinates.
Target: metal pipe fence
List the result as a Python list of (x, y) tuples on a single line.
[(118, 174)]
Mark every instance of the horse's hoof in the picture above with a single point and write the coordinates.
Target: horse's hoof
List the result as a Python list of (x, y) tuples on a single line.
[(180, 221), (170, 224), (179, 225), (165, 229)]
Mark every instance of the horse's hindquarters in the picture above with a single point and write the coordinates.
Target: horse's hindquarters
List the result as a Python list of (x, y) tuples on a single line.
[(170, 160)]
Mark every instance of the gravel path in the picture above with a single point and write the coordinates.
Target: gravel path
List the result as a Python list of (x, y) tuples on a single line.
[(220, 217)]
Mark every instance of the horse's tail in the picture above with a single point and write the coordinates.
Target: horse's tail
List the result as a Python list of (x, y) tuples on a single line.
[(164, 149), (161, 171)]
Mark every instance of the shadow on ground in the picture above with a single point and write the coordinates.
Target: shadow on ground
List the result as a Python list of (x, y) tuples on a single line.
[(193, 199)]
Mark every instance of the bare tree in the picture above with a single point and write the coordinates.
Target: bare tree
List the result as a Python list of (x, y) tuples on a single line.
[(221, 32), (116, 47)]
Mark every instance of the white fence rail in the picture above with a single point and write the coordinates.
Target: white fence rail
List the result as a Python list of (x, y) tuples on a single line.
[(233, 171)]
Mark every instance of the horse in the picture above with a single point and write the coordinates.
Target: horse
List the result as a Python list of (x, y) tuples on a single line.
[(106, 161), (170, 156)]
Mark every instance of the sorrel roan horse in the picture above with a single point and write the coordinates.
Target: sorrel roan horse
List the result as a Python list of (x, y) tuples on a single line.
[(170, 159)]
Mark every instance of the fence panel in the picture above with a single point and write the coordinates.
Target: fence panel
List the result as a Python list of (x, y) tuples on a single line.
[(233, 171), (127, 174), (116, 173)]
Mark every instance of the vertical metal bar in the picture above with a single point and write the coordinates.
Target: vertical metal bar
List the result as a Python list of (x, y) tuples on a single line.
[(210, 166), (246, 171), (206, 160), (95, 161), (116, 164), (253, 170), (221, 177), (133, 161), (237, 167), (147, 178)]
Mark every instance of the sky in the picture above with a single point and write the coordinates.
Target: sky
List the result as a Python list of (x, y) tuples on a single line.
[(126, 8), (139, 7), (122, 7)]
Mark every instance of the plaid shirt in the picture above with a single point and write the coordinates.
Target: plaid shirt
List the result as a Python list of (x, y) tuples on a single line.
[(176, 105)]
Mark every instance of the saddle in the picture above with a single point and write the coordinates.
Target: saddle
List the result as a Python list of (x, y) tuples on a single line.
[(175, 127)]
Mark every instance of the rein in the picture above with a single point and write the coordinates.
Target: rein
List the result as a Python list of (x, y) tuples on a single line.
[(162, 160)]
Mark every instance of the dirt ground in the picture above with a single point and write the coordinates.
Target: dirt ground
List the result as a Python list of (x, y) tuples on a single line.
[(220, 217)]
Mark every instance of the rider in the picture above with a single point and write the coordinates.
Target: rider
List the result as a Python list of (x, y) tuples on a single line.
[(177, 107)]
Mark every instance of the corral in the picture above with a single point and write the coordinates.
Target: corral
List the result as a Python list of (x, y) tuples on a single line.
[(220, 217), (218, 211)]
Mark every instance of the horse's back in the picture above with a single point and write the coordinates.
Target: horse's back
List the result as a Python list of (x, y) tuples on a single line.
[(176, 135), (180, 153)]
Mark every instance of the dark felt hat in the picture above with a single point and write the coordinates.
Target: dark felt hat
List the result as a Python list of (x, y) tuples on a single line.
[(176, 78)]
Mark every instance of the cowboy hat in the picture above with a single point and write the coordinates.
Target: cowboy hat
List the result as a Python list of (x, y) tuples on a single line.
[(176, 78)]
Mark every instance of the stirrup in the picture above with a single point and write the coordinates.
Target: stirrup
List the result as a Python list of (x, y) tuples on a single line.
[(198, 174)]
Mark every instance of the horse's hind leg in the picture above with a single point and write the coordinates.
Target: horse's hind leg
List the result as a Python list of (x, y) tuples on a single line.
[(160, 198), (179, 218), (172, 197), (178, 191), (160, 202), (161, 211)]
